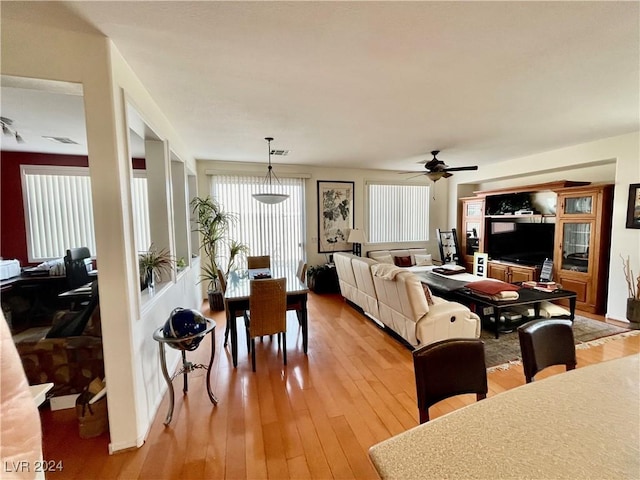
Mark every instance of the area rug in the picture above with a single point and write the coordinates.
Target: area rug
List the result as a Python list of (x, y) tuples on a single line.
[(503, 352)]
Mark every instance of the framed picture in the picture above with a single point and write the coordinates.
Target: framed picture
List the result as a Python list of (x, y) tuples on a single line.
[(633, 210), (335, 215), (480, 261)]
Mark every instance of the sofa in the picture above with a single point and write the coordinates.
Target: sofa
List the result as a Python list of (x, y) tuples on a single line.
[(395, 298)]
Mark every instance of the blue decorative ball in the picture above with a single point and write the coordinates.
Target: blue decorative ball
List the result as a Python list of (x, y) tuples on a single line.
[(184, 323)]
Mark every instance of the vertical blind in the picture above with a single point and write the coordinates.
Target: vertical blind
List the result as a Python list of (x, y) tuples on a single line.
[(398, 213), (275, 230), (59, 211)]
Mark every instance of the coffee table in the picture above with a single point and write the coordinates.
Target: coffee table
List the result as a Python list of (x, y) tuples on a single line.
[(453, 289)]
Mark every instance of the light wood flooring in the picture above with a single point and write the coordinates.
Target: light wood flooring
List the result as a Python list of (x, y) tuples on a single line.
[(316, 418)]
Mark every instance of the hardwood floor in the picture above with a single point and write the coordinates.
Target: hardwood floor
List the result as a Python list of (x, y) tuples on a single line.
[(314, 418)]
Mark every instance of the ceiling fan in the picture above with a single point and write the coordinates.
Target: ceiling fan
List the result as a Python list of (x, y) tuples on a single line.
[(437, 169)]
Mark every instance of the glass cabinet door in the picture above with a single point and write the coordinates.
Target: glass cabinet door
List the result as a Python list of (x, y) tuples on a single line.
[(576, 239), (582, 205), (473, 237), (474, 209)]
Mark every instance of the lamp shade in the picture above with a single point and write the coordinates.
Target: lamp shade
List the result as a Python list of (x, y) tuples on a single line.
[(270, 198), (356, 236)]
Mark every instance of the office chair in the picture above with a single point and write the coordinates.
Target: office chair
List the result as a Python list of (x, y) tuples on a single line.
[(76, 268), (449, 367), (544, 343)]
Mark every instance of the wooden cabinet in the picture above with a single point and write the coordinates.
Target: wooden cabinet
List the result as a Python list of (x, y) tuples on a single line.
[(582, 243), (512, 273), (472, 228)]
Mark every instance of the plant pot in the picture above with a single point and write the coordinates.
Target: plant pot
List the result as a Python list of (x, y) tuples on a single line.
[(633, 312), (216, 300)]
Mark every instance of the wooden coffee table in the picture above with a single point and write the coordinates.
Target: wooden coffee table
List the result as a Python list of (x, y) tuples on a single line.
[(456, 290)]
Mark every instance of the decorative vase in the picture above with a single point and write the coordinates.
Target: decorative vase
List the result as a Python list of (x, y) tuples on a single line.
[(633, 312)]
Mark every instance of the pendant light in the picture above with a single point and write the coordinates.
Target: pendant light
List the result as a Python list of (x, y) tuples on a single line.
[(269, 197)]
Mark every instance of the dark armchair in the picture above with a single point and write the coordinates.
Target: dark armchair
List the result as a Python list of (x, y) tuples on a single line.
[(69, 353)]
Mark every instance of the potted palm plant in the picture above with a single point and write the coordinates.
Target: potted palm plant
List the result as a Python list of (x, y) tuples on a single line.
[(213, 225), (154, 264)]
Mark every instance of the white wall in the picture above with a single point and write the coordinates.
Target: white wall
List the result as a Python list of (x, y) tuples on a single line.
[(35, 49), (611, 160)]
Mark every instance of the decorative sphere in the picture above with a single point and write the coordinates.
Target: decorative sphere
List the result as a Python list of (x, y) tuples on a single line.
[(183, 323)]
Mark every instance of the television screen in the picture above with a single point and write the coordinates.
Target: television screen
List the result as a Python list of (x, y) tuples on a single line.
[(524, 243)]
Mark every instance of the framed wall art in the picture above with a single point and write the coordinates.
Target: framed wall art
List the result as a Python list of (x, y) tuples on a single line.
[(335, 215), (633, 210)]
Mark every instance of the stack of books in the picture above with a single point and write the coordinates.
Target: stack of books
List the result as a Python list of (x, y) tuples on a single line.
[(543, 286)]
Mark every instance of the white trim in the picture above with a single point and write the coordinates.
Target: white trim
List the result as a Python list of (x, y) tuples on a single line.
[(254, 173)]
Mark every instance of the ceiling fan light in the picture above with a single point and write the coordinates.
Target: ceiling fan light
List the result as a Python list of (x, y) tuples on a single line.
[(435, 176)]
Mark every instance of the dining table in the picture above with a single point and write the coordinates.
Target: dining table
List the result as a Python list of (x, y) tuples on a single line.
[(236, 300), (584, 423)]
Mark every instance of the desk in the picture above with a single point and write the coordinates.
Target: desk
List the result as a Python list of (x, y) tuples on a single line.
[(236, 300), (580, 424)]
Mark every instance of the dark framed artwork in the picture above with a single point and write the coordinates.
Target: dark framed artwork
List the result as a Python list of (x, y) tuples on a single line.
[(633, 210), (335, 215)]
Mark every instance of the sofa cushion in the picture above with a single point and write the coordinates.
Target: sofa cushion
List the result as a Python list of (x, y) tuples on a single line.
[(385, 259), (404, 261), (423, 260)]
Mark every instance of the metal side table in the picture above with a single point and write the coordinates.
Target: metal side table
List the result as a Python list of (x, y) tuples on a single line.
[(187, 366)]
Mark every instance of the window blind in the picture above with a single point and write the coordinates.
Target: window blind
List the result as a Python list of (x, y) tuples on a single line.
[(275, 230), (398, 213), (59, 210)]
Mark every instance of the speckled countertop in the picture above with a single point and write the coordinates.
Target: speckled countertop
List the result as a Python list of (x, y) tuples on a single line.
[(582, 424)]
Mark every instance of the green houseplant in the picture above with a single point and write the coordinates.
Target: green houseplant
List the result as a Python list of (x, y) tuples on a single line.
[(154, 264), (213, 225)]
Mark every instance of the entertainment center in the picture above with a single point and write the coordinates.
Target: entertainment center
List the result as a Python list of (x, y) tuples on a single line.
[(567, 222)]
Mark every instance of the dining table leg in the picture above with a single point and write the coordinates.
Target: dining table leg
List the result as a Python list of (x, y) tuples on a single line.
[(231, 321), (304, 324)]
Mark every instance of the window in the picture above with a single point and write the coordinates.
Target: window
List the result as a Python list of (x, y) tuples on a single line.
[(59, 210), (398, 213), (275, 230)]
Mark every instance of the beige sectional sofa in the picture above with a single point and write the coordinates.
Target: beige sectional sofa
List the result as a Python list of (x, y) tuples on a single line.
[(394, 297)]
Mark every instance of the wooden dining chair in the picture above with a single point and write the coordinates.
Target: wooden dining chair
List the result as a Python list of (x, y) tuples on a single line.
[(449, 367), (302, 271), (267, 314), (262, 261), (544, 343)]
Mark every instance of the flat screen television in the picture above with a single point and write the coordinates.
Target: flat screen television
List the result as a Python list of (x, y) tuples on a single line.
[(523, 243)]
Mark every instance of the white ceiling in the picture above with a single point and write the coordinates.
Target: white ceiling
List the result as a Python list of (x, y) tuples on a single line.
[(371, 84)]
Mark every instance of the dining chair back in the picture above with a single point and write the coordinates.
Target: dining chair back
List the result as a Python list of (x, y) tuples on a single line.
[(262, 261), (267, 314), (302, 271), (447, 368), (544, 343)]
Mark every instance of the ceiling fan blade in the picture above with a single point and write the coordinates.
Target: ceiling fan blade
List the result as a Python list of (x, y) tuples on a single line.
[(459, 169)]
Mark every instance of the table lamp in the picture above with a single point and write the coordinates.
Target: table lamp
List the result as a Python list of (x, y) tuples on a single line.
[(356, 237)]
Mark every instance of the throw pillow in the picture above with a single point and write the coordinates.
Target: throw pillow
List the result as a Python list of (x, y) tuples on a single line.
[(427, 294), (422, 260), (402, 261), (385, 259)]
